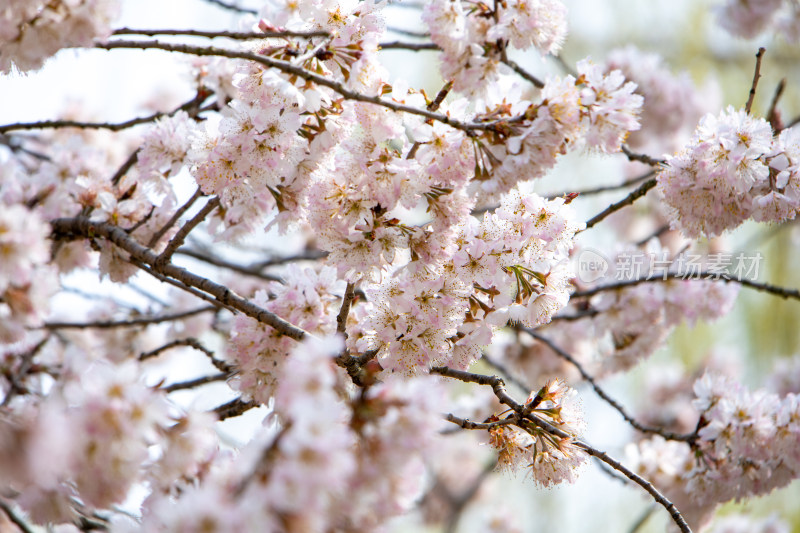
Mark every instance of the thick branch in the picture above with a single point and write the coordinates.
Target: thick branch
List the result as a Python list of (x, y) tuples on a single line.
[(83, 227)]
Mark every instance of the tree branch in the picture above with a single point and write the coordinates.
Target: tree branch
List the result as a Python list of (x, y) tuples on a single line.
[(347, 299), (15, 518), (232, 7), (233, 408), (174, 218), (288, 68), (604, 188), (199, 98), (414, 47), (646, 485), (756, 75), (602, 393), (177, 241), (222, 366), (85, 228), (235, 35), (642, 158), (192, 383), (523, 412), (524, 73), (713, 276), (134, 322), (640, 191)]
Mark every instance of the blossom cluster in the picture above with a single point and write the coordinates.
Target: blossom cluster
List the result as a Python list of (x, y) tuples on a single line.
[(747, 445), (87, 439), (511, 266), (733, 169), (26, 279), (548, 458), (473, 37), (616, 329), (33, 30), (596, 111), (329, 460), (305, 298)]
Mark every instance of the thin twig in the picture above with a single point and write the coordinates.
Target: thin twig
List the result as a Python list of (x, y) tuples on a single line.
[(657, 233), (715, 276), (232, 7), (125, 167), (524, 73), (505, 372), (192, 383), (523, 412), (756, 75), (463, 423), (255, 269), (646, 485), (179, 238), (433, 106), (414, 47), (174, 218), (222, 366), (198, 99), (134, 322), (181, 285), (642, 158), (604, 188), (347, 299), (604, 395), (640, 191)]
